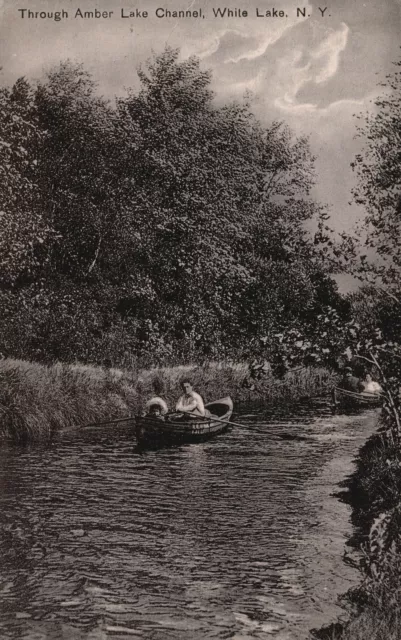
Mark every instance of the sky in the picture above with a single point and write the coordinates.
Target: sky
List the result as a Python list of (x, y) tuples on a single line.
[(314, 72)]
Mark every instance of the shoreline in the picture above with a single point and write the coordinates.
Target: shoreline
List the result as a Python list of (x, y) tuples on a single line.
[(37, 401), (372, 491)]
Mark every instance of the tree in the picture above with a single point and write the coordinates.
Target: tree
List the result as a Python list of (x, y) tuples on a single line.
[(77, 167), (169, 223), (24, 227), (220, 203), (378, 170)]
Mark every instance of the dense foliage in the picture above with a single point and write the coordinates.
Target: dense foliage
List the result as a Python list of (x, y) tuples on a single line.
[(156, 226), (370, 338), (374, 253), (374, 343)]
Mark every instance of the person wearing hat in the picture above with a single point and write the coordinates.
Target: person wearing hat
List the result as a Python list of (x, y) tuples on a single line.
[(351, 382), (156, 406)]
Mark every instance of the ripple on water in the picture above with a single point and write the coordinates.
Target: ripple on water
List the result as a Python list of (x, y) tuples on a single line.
[(236, 538)]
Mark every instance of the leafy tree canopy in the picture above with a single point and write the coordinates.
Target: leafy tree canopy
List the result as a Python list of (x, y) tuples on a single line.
[(374, 253), (158, 225)]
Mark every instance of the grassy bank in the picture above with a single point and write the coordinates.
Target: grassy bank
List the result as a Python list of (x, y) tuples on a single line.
[(37, 400), (374, 493)]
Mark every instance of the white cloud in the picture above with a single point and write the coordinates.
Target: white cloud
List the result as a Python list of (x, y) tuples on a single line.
[(322, 64), (307, 107), (253, 84), (329, 53), (265, 41), (254, 35), (203, 47)]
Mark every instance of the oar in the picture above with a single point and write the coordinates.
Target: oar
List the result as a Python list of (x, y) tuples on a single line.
[(273, 436), (362, 394), (95, 424), (195, 415)]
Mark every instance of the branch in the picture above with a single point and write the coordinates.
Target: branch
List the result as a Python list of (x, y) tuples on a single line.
[(377, 365), (96, 255), (391, 353), (367, 360), (390, 398), (390, 295)]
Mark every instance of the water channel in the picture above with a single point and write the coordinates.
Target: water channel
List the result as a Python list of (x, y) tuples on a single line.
[(240, 537)]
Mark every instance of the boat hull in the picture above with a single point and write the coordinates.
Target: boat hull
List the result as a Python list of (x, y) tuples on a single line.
[(348, 401), (172, 430)]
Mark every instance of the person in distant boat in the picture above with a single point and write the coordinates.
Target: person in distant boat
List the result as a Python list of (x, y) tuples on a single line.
[(351, 382), (370, 386), (190, 401), (157, 406)]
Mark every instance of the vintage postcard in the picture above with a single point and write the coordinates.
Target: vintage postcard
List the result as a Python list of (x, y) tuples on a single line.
[(199, 319)]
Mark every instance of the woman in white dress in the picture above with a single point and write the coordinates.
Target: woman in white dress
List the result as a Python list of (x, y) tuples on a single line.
[(370, 386)]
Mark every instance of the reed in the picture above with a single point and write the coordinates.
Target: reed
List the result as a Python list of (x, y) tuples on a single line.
[(218, 379), (37, 400)]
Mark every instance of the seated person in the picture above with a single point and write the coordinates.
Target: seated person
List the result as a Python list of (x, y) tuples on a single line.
[(155, 408), (370, 386), (351, 382), (190, 401), (156, 405)]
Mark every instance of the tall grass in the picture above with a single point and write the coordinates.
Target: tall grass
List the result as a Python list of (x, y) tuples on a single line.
[(38, 400), (217, 379)]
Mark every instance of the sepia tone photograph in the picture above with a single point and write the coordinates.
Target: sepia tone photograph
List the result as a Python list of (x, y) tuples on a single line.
[(200, 320)]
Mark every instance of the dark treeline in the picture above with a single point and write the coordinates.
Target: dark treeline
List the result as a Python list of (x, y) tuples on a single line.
[(158, 225)]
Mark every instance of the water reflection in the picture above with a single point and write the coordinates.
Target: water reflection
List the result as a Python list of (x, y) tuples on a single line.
[(236, 538)]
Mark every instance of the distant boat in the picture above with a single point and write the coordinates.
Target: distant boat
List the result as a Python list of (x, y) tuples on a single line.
[(347, 401), (179, 428)]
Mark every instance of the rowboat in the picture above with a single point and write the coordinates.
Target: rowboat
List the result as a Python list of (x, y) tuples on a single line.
[(178, 428), (347, 401)]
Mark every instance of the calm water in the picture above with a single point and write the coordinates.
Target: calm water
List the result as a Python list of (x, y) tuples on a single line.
[(236, 538)]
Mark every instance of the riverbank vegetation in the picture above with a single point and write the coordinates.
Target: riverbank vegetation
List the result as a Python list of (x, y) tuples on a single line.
[(38, 401), (164, 227), (161, 226), (373, 491)]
